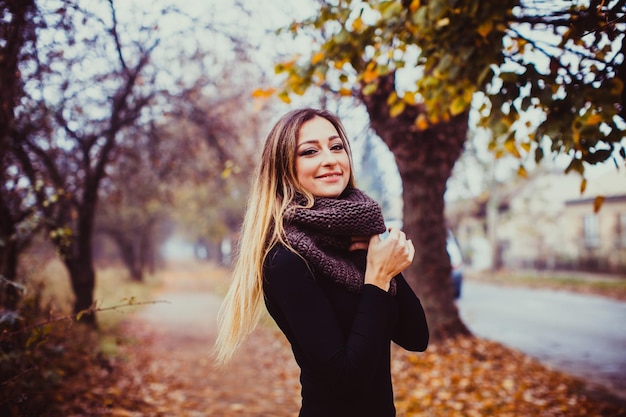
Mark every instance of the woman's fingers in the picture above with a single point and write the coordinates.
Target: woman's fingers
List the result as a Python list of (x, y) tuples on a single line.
[(392, 254), (411, 249)]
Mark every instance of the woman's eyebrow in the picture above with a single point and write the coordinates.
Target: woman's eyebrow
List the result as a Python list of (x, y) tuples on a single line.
[(306, 142), (333, 137)]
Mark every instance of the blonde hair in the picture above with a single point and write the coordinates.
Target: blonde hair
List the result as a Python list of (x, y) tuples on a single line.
[(274, 186)]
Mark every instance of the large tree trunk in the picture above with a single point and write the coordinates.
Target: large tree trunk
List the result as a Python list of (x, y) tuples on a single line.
[(79, 259), (9, 294), (83, 280), (425, 159), (16, 31)]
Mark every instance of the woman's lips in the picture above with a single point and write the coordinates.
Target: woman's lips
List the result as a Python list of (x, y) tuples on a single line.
[(332, 176)]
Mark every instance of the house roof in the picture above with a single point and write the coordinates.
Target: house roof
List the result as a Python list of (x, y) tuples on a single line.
[(553, 188)]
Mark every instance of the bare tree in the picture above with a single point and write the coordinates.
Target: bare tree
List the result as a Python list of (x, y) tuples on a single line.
[(17, 35), (68, 134)]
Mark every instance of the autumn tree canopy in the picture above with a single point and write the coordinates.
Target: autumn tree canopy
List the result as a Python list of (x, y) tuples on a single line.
[(563, 58), (421, 66)]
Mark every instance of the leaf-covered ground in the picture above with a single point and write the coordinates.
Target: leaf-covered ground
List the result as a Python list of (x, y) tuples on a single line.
[(160, 365)]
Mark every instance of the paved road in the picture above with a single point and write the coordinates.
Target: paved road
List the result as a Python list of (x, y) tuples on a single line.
[(584, 336)]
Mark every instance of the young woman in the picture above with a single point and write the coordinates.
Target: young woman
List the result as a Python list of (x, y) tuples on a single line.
[(311, 249)]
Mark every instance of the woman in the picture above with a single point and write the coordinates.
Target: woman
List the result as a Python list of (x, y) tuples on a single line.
[(311, 249)]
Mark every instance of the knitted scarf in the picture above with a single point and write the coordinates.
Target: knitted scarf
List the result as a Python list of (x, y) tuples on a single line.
[(322, 235)]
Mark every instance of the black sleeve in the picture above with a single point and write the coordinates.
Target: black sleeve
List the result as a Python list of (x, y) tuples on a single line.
[(309, 322), (411, 329)]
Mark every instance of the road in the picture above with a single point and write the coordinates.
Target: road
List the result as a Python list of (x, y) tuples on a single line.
[(584, 336)]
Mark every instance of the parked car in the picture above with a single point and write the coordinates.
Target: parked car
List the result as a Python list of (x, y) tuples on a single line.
[(456, 261), (455, 254)]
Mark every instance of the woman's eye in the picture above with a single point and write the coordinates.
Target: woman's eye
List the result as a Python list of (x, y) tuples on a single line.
[(337, 147), (307, 152)]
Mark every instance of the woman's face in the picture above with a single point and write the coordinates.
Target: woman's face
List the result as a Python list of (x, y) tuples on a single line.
[(322, 162)]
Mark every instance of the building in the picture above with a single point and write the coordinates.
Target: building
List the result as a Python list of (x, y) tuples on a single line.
[(545, 222)]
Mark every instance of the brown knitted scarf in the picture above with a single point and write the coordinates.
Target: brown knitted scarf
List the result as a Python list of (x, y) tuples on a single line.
[(323, 233)]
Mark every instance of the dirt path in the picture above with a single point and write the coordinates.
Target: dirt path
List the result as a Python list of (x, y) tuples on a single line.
[(164, 369), (170, 359)]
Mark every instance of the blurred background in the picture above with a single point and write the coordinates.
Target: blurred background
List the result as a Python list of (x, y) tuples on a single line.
[(492, 131)]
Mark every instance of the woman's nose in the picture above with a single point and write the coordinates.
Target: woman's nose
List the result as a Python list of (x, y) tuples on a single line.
[(329, 158)]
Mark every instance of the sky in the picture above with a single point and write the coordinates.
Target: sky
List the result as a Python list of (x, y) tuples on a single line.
[(263, 18)]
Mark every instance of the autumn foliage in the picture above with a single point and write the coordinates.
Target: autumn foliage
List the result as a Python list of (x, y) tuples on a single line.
[(157, 363)]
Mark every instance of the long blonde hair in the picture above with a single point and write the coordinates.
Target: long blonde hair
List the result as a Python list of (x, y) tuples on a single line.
[(274, 186)]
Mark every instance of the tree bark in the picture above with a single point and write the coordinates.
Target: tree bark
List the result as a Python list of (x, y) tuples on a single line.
[(79, 259), (83, 280), (9, 251), (16, 32), (425, 159), (129, 254)]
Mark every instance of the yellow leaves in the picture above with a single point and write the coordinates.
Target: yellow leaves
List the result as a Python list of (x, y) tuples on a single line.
[(263, 93), (521, 172), (370, 89), (317, 58), (442, 22), (485, 28), (358, 24), (371, 73), (38, 335), (415, 4), (594, 119), (397, 108), (82, 313), (511, 147), (597, 203), (284, 96), (409, 98), (345, 92), (458, 106), (230, 168), (338, 64), (285, 66), (470, 377), (421, 122), (61, 233), (389, 9), (583, 185), (226, 172), (319, 77)]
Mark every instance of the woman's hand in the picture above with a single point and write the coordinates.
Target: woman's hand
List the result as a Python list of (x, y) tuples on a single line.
[(387, 257)]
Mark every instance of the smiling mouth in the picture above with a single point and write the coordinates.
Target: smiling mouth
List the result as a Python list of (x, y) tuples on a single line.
[(330, 175)]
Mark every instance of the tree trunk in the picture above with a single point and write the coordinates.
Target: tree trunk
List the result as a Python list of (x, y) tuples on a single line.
[(10, 295), (79, 259), (425, 159), (83, 280), (16, 31)]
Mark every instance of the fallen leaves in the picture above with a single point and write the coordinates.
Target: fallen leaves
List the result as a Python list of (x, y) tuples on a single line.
[(466, 377), (474, 377), (161, 368)]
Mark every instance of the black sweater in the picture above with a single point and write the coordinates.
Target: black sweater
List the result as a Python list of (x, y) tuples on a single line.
[(341, 340)]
